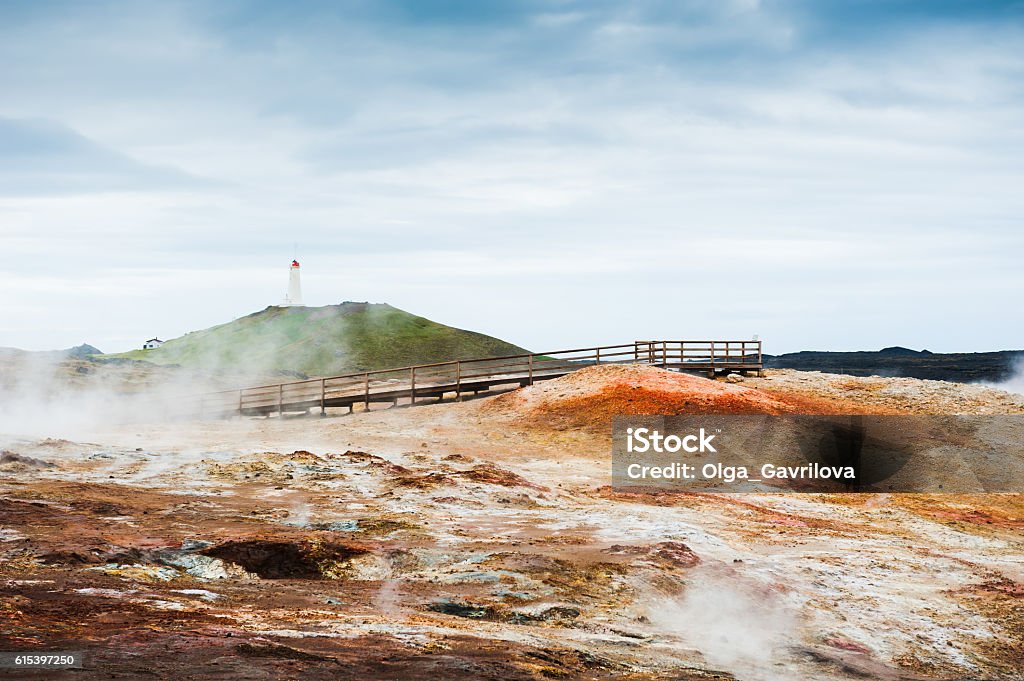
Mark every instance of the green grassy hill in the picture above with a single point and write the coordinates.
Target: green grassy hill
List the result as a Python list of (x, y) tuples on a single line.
[(322, 341)]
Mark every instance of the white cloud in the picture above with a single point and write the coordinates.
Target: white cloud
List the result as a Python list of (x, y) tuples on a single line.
[(723, 171)]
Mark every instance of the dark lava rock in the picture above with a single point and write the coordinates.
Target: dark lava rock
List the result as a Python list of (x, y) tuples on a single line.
[(282, 559), (9, 457), (450, 607)]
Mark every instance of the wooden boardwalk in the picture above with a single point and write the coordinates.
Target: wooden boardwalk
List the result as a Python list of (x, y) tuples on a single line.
[(460, 377)]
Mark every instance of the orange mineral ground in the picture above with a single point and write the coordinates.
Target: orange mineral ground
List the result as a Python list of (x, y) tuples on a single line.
[(482, 540), (589, 398)]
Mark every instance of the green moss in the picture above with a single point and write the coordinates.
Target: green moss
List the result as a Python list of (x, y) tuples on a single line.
[(323, 341)]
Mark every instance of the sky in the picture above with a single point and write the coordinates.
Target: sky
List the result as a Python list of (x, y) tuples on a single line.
[(825, 175)]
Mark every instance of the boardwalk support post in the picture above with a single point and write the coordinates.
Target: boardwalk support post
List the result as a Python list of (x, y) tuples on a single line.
[(412, 385), (366, 388), (530, 362), (280, 401), (323, 395), (458, 381)]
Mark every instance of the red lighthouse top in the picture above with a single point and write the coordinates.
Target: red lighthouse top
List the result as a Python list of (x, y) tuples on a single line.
[(295, 263)]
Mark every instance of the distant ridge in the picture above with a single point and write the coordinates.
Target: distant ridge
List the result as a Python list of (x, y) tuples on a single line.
[(83, 351), (323, 341), (965, 367), (899, 350)]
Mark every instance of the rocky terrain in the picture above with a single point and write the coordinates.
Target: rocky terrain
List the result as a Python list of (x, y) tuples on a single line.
[(481, 540), (966, 367), (892, 395)]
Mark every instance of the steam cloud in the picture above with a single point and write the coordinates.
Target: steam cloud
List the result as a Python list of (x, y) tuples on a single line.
[(1015, 383), (48, 394), (740, 628)]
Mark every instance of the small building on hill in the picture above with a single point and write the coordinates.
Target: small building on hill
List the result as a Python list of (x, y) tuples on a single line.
[(152, 343)]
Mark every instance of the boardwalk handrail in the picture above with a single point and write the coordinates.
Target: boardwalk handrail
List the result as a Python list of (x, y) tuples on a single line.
[(437, 378)]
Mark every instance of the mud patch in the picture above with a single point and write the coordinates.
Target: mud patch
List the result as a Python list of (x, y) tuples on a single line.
[(374, 461), (69, 557), (664, 554), (288, 560), (12, 461), (278, 651), (487, 474), (555, 614)]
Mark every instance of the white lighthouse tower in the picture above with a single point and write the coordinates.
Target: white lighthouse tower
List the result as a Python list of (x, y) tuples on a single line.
[(294, 297)]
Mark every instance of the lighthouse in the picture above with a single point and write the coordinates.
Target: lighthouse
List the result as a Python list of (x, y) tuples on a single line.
[(294, 297)]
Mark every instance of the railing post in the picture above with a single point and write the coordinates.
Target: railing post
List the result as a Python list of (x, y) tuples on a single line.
[(240, 402), (530, 362), (366, 388), (712, 359), (412, 385), (664, 354), (598, 356), (636, 352), (458, 381), (280, 400), (323, 395)]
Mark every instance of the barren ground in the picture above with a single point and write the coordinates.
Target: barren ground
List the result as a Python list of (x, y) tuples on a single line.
[(480, 540)]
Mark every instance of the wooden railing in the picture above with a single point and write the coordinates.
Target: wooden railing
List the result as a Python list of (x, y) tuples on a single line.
[(475, 375)]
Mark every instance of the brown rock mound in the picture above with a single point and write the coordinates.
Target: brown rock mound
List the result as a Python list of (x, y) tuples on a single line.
[(590, 397)]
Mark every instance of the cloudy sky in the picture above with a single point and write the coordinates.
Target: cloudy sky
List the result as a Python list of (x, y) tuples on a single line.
[(828, 175)]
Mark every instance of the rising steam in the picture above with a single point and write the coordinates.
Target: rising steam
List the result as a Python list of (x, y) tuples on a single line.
[(49, 394), (1015, 382), (744, 629)]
